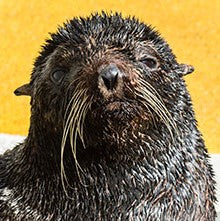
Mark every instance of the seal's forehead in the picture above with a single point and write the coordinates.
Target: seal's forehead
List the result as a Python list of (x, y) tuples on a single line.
[(91, 34), (65, 55)]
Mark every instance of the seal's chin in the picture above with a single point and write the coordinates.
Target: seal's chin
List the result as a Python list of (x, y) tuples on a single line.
[(120, 106), (119, 111), (115, 106)]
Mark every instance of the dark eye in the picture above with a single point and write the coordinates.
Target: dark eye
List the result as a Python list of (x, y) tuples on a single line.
[(150, 62), (58, 76)]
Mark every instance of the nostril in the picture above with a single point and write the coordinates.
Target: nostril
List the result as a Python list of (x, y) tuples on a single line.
[(109, 75)]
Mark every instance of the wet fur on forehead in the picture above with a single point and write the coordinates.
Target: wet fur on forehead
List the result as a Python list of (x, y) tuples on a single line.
[(104, 29)]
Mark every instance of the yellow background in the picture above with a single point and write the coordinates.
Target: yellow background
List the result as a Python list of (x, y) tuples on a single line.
[(191, 28)]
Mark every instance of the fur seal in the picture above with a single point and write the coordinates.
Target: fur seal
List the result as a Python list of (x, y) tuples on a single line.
[(112, 135)]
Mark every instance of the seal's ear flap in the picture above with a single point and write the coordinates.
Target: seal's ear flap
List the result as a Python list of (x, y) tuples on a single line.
[(23, 90), (185, 69)]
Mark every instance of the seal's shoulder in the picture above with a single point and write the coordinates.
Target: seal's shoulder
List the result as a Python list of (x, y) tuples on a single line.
[(12, 206)]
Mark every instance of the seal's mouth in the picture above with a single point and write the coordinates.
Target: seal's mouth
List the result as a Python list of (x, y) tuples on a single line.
[(114, 105)]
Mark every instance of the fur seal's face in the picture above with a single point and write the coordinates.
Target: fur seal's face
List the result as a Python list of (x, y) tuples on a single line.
[(115, 84), (106, 73)]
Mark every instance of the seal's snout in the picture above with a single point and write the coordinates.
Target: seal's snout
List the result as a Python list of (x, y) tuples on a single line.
[(109, 74)]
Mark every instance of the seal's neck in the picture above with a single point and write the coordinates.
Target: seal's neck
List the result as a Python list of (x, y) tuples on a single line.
[(43, 148)]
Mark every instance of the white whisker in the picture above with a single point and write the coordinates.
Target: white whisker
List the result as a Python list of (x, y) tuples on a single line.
[(73, 127)]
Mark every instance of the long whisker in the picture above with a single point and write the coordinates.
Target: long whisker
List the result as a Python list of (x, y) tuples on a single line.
[(76, 126), (66, 131), (152, 99), (74, 120), (71, 101), (68, 89), (81, 121)]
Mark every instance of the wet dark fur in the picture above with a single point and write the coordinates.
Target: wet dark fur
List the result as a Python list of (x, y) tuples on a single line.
[(132, 166)]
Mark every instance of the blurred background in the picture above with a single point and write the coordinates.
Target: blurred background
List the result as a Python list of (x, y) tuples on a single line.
[(190, 27)]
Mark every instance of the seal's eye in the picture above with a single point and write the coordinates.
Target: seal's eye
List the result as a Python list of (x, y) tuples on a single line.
[(58, 76), (150, 62)]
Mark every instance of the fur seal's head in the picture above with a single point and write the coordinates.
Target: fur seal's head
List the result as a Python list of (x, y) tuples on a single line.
[(101, 78)]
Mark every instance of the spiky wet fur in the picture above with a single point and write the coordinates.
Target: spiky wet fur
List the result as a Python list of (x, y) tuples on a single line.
[(133, 154)]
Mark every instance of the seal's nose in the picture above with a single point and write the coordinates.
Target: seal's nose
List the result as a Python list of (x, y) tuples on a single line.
[(109, 75)]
